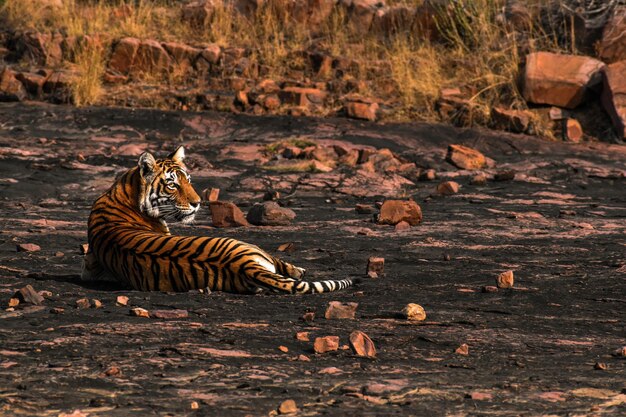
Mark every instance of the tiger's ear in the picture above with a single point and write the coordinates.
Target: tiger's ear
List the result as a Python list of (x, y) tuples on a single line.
[(147, 164), (178, 155)]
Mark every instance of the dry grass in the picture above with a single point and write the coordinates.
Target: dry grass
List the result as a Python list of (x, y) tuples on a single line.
[(89, 61), (476, 53)]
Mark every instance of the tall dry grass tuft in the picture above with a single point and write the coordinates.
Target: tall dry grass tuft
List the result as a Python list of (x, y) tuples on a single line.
[(90, 63)]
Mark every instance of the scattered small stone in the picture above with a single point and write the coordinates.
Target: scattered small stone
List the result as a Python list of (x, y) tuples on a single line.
[(344, 347), (96, 303), (362, 345), (14, 302), (372, 275), (364, 208), (194, 405), (326, 344), (28, 295), (309, 316), (139, 312), (621, 352), (170, 314), (508, 175), (339, 310), (59, 254), (395, 211), (302, 336), (271, 195), (489, 288), (462, 350), (45, 293), (82, 303), (331, 370), (288, 407), (84, 248), (601, 366), (464, 157), (480, 396), (28, 247), (572, 130), (428, 175), (287, 247), (479, 179), (505, 280), (414, 312), (113, 371), (402, 226), (446, 257), (57, 310), (269, 213), (563, 213), (376, 264), (284, 349), (122, 300), (304, 358), (211, 194), (448, 188)]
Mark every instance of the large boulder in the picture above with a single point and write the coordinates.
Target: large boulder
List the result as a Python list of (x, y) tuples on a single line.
[(39, 48), (464, 157), (123, 55), (612, 47), (151, 58), (560, 80), (270, 213), (614, 95), (395, 211)]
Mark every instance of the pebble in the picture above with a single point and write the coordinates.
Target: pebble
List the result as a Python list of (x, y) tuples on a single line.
[(122, 300), (288, 407), (339, 310), (448, 188), (28, 247), (362, 345), (284, 349), (302, 336), (462, 350), (376, 264), (414, 312), (505, 280), (309, 316), (326, 344), (139, 312), (82, 303)]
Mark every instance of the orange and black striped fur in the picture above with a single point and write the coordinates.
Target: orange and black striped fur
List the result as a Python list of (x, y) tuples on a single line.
[(129, 238)]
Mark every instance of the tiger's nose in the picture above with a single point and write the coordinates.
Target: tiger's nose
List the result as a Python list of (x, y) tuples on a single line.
[(194, 205)]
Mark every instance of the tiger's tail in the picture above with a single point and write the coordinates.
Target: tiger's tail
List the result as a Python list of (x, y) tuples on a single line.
[(278, 283)]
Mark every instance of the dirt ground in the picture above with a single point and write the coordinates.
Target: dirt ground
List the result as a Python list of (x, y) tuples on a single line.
[(547, 346)]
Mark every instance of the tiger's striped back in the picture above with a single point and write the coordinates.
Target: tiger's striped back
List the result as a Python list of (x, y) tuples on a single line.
[(129, 237)]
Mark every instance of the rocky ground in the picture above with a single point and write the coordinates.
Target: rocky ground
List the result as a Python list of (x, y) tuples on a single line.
[(551, 212)]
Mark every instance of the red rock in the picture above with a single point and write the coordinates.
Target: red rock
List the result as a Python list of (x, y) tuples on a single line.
[(395, 211), (122, 300), (517, 121), (553, 396), (283, 349), (288, 407), (28, 295), (84, 248), (184, 55), (362, 110), (194, 405), (462, 350), (82, 303), (376, 264), (601, 366), (572, 131), (304, 358), (362, 345), (14, 302), (226, 214), (139, 312), (113, 371), (402, 226), (303, 97), (28, 247), (269, 213), (621, 352), (96, 303), (211, 195), (198, 13), (614, 95), (560, 80), (123, 55), (612, 47), (302, 336), (372, 275), (465, 158), (308, 316), (388, 386), (339, 310), (448, 188), (414, 312), (40, 48), (169, 314), (150, 58), (11, 89), (211, 54), (326, 344), (505, 280)]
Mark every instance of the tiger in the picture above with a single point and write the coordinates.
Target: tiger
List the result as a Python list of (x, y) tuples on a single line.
[(130, 241)]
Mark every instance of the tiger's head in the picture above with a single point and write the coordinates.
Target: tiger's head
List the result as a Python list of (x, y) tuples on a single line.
[(166, 192)]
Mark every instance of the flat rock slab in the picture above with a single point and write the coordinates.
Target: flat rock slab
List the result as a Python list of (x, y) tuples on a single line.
[(532, 347)]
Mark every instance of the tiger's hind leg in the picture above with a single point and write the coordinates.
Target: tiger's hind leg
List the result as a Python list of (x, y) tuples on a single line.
[(288, 270)]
